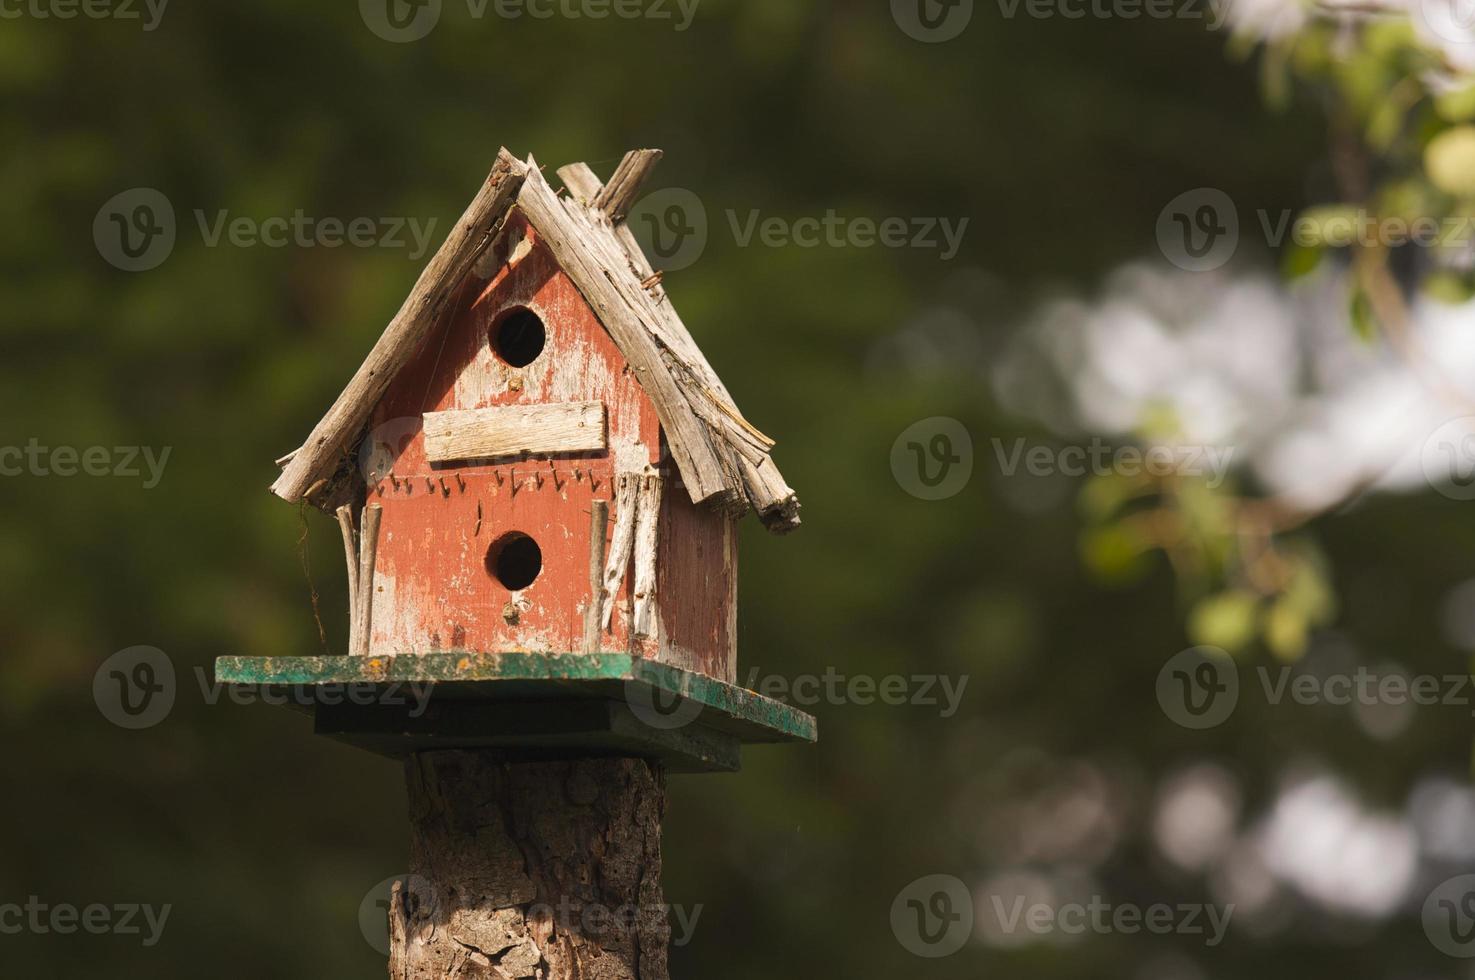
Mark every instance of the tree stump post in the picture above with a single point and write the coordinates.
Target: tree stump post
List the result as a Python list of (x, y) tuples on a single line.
[(549, 870)]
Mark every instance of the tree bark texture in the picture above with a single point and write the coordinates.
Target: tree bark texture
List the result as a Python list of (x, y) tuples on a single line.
[(549, 870)]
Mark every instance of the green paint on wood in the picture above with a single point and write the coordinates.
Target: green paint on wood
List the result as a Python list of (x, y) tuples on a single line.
[(604, 702)]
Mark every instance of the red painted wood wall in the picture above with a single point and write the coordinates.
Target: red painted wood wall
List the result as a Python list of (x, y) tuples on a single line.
[(433, 590)]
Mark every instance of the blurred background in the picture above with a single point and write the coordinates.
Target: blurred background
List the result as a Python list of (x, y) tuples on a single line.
[(1173, 226)]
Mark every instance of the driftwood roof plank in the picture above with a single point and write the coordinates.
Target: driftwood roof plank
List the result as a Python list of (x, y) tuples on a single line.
[(723, 459), (322, 453), (580, 181), (618, 195), (708, 398), (568, 235)]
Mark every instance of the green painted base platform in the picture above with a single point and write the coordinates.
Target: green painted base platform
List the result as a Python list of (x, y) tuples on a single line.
[(532, 705)]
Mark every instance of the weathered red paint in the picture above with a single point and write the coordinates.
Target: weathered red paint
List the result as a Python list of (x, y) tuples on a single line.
[(433, 591)]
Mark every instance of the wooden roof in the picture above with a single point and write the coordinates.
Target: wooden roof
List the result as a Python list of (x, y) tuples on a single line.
[(723, 460)]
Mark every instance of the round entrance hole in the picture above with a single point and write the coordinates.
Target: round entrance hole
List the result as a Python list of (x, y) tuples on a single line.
[(515, 560), (518, 336)]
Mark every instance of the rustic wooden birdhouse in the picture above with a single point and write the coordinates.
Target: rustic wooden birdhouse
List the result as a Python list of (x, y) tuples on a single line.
[(539, 478)]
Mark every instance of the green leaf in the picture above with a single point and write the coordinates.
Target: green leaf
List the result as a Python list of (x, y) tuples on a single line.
[(1115, 554), (1226, 619), (1275, 77), (1457, 105), (1449, 160), (1286, 629), (1309, 591), (1364, 322), (1299, 260), (1102, 496)]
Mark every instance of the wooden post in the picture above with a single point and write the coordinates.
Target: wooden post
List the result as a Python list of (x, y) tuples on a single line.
[(533, 869)]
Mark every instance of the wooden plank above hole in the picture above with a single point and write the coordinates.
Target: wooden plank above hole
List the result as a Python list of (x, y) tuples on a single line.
[(511, 430)]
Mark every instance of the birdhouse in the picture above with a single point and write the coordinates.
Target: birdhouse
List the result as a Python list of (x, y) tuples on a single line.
[(539, 477)]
